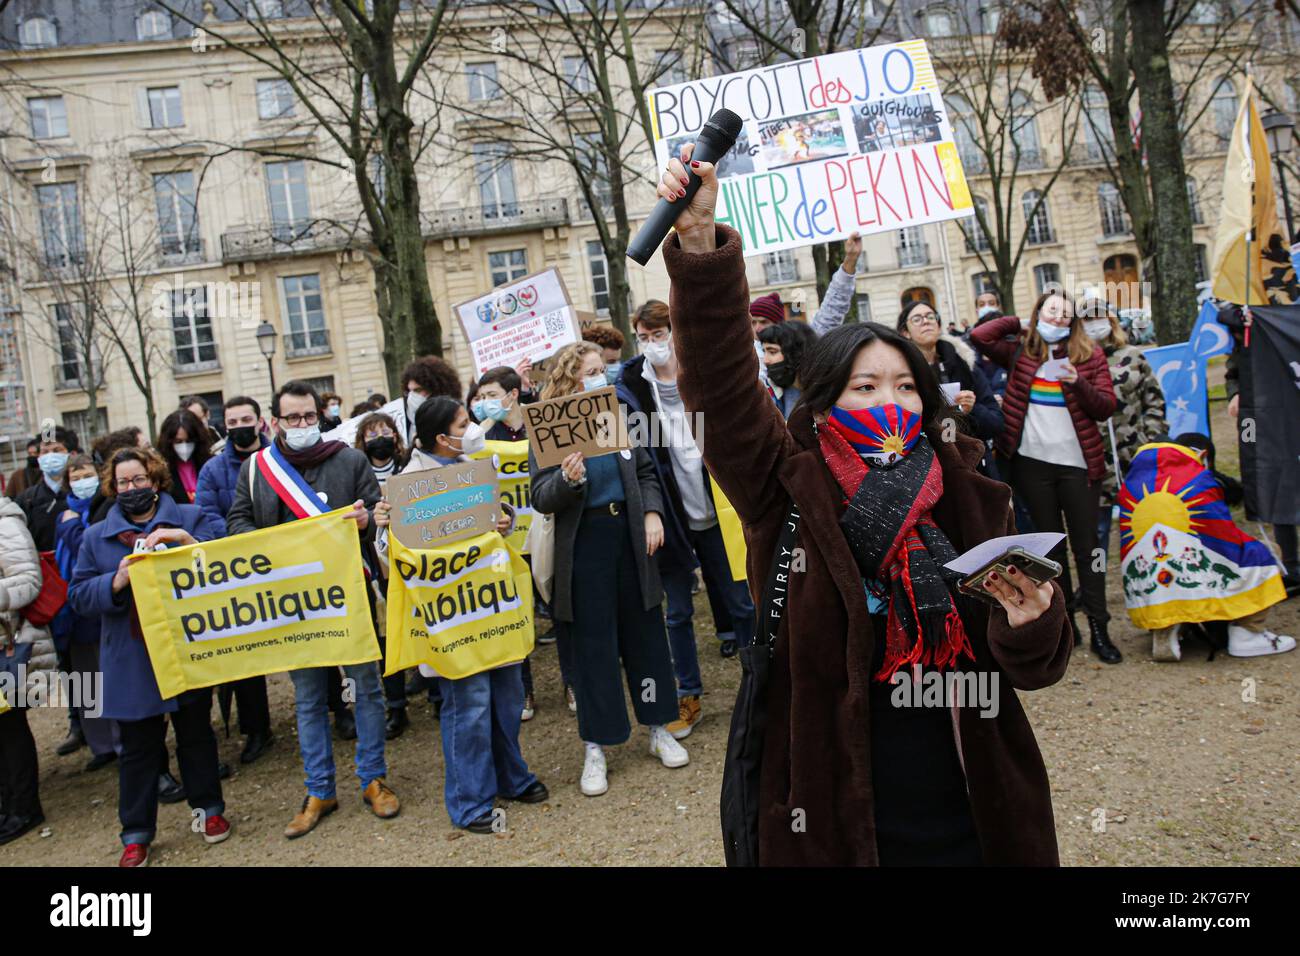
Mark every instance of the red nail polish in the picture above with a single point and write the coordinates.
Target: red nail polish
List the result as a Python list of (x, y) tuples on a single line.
[(682, 194), (685, 181), (694, 164)]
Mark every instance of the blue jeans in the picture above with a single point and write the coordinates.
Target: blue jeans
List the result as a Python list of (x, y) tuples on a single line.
[(310, 686), (480, 742), (712, 553)]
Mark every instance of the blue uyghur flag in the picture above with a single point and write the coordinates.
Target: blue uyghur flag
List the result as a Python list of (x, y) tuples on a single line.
[(1180, 370)]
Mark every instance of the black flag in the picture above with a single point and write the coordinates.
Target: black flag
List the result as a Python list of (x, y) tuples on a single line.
[(1269, 413)]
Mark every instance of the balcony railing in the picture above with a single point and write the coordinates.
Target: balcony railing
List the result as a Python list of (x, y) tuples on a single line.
[(282, 239), (305, 344), (176, 252), (191, 361)]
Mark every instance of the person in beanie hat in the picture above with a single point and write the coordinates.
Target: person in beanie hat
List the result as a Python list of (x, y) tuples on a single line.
[(766, 310)]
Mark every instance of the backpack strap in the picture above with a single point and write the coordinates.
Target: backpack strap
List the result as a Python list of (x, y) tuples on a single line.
[(777, 589)]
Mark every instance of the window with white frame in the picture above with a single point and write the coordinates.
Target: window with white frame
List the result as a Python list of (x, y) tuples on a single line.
[(304, 316), (671, 67), (192, 343), (599, 276), (780, 267), (1047, 277), (1098, 137), (1194, 202), (1223, 109), (990, 19), (153, 25), (1038, 223), (1024, 130), (1114, 219), (274, 99), (60, 216), (1202, 272), (164, 107), (862, 303), (591, 152), (977, 239), (265, 9), (379, 178), (495, 172), (37, 33), (577, 74), (286, 192), (68, 369), (982, 282), (507, 265), (482, 81), (178, 220), (911, 246), (49, 116), (962, 117)]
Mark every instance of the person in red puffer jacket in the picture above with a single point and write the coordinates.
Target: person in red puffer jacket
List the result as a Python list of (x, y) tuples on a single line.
[(1058, 389)]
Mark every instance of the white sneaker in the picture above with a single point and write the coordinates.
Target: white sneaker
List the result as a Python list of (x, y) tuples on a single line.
[(668, 750), (530, 709), (1165, 644), (594, 782), (1244, 643)]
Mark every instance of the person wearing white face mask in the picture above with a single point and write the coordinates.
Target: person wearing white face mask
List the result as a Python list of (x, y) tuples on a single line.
[(481, 714), (338, 476), (1140, 404), (1058, 389), (608, 526), (421, 380), (185, 444), (692, 535)]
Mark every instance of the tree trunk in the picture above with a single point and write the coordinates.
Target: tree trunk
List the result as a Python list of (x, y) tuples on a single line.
[(1173, 306)]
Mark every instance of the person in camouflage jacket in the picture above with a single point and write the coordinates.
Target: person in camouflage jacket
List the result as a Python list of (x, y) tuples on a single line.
[(1140, 411)]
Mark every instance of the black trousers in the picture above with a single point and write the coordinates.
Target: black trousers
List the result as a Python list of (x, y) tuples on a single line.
[(253, 706), (610, 623), (1050, 491), (394, 684), (19, 771), (137, 767)]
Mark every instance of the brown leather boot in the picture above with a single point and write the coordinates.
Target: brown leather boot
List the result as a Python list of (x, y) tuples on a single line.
[(381, 799), (310, 815)]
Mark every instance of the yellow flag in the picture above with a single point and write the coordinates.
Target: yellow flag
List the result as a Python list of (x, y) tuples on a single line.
[(733, 533), (515, 484), (272, 600), (461, 608), (1248, 202)]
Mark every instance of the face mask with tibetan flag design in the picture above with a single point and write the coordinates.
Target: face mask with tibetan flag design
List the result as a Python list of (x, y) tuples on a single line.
[(882, 435)]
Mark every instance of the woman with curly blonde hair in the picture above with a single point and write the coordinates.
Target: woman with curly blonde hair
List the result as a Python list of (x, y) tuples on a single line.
[(608, 524)]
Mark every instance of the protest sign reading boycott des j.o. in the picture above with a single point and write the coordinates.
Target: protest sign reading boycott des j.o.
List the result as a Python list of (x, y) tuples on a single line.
[(272, 600), (530, 318), (461, 608), (511, 459), (856, 141), (589, 422), (442, 504)]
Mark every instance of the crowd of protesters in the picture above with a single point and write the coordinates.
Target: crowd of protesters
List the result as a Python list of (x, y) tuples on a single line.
[(1048, 410)]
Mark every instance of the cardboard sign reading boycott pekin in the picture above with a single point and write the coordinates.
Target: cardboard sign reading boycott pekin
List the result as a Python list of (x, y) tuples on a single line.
[(438, 505), (589, 422)]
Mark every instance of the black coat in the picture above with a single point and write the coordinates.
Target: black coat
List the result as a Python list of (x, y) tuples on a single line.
[(42, 508)]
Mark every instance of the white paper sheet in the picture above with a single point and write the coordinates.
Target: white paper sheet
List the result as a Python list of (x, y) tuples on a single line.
[(950, 390), (1038, 543), (1053, 369)]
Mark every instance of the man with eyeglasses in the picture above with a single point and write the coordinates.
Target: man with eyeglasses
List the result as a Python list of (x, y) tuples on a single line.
[(339, 475)]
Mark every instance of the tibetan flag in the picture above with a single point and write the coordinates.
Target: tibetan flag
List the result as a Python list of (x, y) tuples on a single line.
[(1182, 558), (882, 435)]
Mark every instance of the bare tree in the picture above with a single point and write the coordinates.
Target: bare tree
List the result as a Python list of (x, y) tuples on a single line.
[(997, 120), (356, 68), (577, 98)]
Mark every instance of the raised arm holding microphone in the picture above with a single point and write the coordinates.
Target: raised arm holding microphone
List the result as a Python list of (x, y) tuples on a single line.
[(882, 503)]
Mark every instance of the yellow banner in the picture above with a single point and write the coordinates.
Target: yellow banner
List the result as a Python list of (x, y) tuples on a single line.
[(461, 608), (273, 600), (733, 533), (515, 484)]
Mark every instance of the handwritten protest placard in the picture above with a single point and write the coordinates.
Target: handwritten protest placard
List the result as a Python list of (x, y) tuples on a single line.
[(589, 422), (852, 141), (272, 600), (515, 484), (530, 318), (437, 505)]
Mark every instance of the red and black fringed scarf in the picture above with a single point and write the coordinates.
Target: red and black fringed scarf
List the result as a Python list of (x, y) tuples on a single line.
[(893, 539)]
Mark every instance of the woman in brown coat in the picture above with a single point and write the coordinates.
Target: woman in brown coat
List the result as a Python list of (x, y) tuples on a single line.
[(1058, 389), (852, 770)]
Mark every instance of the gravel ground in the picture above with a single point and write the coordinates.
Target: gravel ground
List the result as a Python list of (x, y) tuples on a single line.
[(1193, 763)]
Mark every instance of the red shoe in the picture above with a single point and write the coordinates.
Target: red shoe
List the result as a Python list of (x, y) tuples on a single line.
[(216, 829), (135, 854)]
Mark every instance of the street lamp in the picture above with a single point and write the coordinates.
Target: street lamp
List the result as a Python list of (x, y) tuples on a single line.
[(266, 339), (1278, 129)]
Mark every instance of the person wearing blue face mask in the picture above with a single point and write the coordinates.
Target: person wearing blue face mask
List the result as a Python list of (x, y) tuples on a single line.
[(611, 344), (1058, 389), (46, 500)]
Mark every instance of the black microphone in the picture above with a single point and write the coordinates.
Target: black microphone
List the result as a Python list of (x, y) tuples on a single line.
[(715, 140)]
